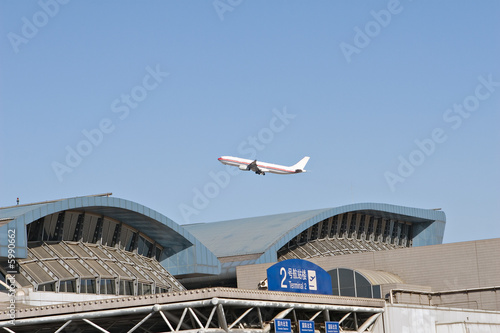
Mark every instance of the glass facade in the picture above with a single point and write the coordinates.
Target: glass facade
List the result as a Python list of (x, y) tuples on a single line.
[(347, 282), (91, 228), (108, 256), (87, 286), (346, 234)]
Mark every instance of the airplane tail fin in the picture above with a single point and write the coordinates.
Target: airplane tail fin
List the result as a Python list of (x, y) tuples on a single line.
[(299, 166)]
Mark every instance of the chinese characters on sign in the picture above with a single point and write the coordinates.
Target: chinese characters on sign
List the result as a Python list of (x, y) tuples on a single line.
[(282, 326), (300, 276), (306, 326), (332, 327)]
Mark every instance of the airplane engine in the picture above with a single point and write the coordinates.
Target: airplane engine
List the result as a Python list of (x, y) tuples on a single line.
[(243, 167)]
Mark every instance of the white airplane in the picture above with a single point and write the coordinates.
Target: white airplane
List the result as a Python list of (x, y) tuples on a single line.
[(261, 168)]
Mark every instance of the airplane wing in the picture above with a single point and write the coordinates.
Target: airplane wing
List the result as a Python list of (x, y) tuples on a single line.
[(254, 167)]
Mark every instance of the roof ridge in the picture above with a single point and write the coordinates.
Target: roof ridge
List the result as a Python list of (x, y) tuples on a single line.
[(56, 200)]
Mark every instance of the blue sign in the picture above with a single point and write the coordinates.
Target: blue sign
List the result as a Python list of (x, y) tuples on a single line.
[(332, 327), (306, 326), (282, 326), (299, 276)]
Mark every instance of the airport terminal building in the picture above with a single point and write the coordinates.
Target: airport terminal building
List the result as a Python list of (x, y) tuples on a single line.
[(105, 264)]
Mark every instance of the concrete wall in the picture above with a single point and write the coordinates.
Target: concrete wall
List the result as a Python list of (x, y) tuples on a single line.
[(407, 318), (443, 267), (485, 299), (26, 297)]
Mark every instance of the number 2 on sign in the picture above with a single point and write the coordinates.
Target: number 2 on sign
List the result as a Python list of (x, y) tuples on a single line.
[(283, 270)]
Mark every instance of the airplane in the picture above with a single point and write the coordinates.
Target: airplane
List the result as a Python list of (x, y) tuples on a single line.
[(261, 168)]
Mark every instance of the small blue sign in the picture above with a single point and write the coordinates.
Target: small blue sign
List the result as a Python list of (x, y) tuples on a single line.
[(306, 326), (299, 276), (332, 327), (282, 326)]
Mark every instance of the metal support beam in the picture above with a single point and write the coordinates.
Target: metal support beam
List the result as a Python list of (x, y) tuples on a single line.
[(199, 314), (222, 317), (326, 314), (195, 317), (296, 306), (182, 319), (209, 320), (368, 322), (95, 325), (344, 317), (240, 318), (283, 313), (140, 323), (219, 305), (280, 315), (259, 314), (166, 320), (177, 320), (315, 315), (63, 326)]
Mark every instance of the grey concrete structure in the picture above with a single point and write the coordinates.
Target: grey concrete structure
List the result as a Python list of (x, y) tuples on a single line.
[(205, 310), (464, 275), (103, 264), (363, 227), (98, 245)]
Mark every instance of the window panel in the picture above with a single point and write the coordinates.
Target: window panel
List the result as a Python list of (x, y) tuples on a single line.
[(126, 238), (376, 292), (129, 287), (314, 232), (96, 238), (140, 245), (335, 281), (110, 287), (158, 253), (70, 286), (67, 286), (361, 229), (89, 225), (333, 230), (147, 289), (352, 225), (103, 287), (370, 229), (70, 226), (108, 230), (47, 287), (49, 227), (144, 247), (363, 286), (346, 278), (87, 286), (34, 230), (343, 225)]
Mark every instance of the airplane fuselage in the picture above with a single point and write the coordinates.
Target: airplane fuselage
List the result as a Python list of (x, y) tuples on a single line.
[(262, 167)]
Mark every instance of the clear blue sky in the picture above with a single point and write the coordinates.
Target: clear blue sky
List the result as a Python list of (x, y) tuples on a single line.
[(395, 102)]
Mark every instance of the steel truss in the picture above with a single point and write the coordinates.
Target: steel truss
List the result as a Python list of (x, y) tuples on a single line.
[(215, 315)]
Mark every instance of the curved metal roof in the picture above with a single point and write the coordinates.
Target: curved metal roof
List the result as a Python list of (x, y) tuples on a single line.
[(265, 235), (164, 231), (249, 235), (379, 277)]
